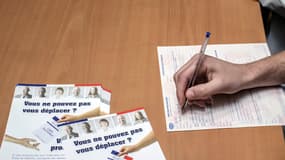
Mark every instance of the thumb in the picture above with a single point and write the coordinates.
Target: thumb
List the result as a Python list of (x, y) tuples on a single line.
[(122, 151), (61, 120), (202, 91)]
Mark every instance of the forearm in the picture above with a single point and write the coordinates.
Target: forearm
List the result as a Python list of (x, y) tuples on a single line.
[(11, 139), (147, 140), (92, 113), (269, 71)]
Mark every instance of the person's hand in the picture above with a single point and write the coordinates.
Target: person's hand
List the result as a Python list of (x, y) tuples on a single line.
[(127, 149), (215, 76), (29, 143), (68, 117)]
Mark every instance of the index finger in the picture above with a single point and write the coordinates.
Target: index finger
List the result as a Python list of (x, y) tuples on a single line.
[(182, 76), (35, 146)]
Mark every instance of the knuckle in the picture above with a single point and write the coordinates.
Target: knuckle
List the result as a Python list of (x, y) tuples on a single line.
[(178, 77)]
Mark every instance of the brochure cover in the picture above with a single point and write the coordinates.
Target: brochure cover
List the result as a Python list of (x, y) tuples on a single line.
[(37, 109), (122, 136)]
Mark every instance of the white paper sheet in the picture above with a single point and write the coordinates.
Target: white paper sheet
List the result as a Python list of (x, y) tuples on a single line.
[(249, 108)]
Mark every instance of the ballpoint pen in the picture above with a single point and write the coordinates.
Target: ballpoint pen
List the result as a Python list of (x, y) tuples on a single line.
[(201, 57)]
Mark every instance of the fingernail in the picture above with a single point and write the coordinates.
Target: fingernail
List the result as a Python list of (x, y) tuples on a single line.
[(181, 104)]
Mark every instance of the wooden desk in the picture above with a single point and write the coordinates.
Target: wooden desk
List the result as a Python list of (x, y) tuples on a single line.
[(114, 42)]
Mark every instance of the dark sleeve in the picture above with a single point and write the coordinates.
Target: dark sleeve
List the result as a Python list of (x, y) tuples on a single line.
[(277, 6)]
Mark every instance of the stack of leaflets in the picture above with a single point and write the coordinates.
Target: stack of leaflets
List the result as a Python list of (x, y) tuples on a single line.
[(72, 121), (106, 136)]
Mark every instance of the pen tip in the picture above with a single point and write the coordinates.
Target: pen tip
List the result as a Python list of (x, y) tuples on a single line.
[(208, 34)]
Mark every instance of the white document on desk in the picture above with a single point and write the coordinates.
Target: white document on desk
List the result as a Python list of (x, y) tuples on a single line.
[(248, 108)]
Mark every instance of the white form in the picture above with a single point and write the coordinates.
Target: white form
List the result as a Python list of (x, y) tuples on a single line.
[(248, 108)]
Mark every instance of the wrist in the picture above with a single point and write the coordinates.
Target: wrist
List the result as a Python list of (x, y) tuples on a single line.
[(78, 117), (136, 146), (260, 74), (251, 76)]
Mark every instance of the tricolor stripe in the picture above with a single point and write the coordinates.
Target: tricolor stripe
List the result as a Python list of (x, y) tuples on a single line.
[(132, 110), (72, 122), (82, 85), (36, 85)]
